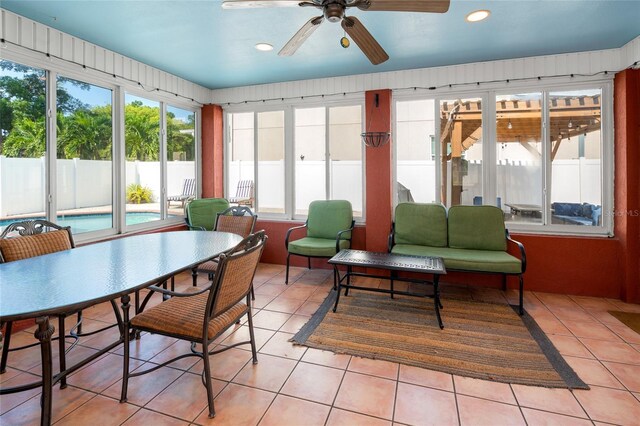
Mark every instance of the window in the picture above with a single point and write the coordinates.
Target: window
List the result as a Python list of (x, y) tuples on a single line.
[(142, 153), (240, 154), (461, 151), (519, 156), (345, 156), (70, 174), (84, 178), (310, 153), (550, 155), (23, 166), (415, 151), (271, 162), (575, 119), (181, 157), (302, 154)]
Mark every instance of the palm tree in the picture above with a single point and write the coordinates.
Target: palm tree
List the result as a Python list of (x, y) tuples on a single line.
[(86, 134)]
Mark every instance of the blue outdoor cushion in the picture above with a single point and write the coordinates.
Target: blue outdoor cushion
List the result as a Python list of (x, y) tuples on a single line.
[(595, 215)]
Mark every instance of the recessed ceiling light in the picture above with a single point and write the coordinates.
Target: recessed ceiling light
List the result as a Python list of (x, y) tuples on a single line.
[(478, 15), (265, 47)]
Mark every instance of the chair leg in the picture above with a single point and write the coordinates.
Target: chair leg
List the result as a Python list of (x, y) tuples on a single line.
[(62, 349), (5, 347), (126, 343), (253, 293), (309, 262), (79, 323), (286, 277), (521, 296), (207, 378), (504, 282), (252, 337), (194, 276)]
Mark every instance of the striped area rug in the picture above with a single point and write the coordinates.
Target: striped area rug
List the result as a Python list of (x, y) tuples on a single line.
[(481, 340)]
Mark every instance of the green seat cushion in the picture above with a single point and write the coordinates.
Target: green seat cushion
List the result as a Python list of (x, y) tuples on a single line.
[(327, 218), (202, 212), (477, 228), (466, 260), (321, 247), (421, 224)]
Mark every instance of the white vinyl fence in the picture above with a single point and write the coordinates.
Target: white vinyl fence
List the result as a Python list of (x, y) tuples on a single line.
[(572, 181), (87, 183), (81, 183), (346, 182)]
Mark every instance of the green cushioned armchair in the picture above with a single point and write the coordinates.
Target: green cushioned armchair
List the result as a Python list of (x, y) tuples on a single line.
[(200, 214), (329, 225)]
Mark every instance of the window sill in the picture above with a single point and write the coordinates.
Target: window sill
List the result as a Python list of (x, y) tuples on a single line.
[(164, 226)]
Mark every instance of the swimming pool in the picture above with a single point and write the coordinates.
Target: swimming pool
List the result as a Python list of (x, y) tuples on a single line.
[(93, 222)]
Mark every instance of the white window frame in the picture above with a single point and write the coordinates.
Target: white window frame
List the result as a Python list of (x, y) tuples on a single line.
[(489, 161), (289, 145), (55, 67)]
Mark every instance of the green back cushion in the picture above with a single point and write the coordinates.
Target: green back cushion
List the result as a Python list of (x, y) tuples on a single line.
[(477, 228), (203, 211), (327, 218), (421, 224)]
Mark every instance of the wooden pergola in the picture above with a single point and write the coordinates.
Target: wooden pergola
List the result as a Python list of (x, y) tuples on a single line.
[(518, 121)]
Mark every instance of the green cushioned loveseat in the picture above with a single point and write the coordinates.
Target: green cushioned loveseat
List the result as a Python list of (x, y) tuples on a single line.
[(467, 238)]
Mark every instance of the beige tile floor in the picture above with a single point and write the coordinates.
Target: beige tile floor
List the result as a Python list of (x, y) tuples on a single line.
[(294, 385)]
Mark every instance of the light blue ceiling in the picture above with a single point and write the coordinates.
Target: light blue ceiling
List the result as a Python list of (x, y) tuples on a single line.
[(203, 43)]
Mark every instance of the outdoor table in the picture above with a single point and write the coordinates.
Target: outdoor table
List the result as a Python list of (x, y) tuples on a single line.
[(525, 209), (71, 280), (391, 262)]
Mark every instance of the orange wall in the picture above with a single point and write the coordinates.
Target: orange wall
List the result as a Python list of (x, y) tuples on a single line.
[(604, 267)]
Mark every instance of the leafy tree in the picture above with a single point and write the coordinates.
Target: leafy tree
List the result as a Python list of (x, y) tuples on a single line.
[(23, 98), (142, 132), (180, 137), (27, 139)]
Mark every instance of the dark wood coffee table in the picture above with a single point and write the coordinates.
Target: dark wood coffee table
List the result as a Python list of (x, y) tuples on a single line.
[(389, 262)]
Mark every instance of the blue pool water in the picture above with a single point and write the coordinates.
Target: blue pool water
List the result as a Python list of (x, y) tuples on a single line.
[(93, 222)]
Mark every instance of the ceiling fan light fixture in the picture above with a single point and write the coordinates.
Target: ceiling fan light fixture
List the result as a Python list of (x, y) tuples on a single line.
[(478, 15), (264, 47)]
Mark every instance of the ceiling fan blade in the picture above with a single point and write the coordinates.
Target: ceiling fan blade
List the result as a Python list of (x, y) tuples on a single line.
[(300, 37), (364, 40), (433, 6), (244, 4)]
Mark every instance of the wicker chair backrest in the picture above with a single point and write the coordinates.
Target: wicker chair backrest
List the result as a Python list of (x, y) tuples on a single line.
[(237, 220), (235, 274), (32, 240)]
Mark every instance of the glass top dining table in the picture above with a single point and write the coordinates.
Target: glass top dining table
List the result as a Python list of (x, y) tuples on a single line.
[(70, 280)]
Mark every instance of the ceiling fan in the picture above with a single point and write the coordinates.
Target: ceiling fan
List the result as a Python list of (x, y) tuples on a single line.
[(334, 11)]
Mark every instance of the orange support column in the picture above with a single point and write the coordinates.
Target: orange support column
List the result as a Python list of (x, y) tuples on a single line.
[(378, 172), (212, 152), (627, 179)]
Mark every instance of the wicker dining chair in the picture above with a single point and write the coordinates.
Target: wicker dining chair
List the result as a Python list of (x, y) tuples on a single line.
[(237, 220), (26, 239), (201, 316)]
